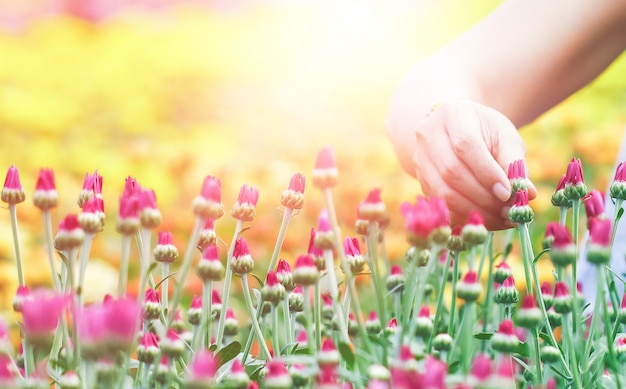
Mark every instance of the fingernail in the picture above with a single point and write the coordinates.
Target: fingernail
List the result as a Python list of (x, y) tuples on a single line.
[(502, 193)]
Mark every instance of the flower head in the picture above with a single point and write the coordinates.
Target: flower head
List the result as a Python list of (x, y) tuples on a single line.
[(92, 187), (325, 174), (599, 251), (562, 298), (207, 235), (277, 376), (208, 204), (372, 209), (210, 267), (128, 221), (558, 197), (521, 212), (273, 291), (505, 340), (284, 274), (148, 348), (474, 231), (528, 315), (563, 251), (202, 370), (353, 254), (517, 176), (41, 313), (469, 289), (305, 272), (242, 261), (245, 207), (165, 251), (324, 236), (45, 195), (149, 213), (617, 189), (92, 217), (13, 192), (575, 188), (151, 305), (293, 196), (70, 234), (594, 206), (426, 221)]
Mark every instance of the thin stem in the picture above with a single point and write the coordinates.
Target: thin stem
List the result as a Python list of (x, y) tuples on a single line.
[(467, 336), (568, 338), (16, 244), (165, 271), (144, 258), (275, 341), (439, 308), (184, 269), (372, 262), (82, 264), (317, 312), (124, 258), (226, 291), (563, 215), (334, 294), (47, 226), (287, 215), (573, 288), (205, 322), (527, 256), (306, 292), (488, 299), (287, 321), (255, 323), (422, 280), (596, 317), (618, 206), (455, 277)]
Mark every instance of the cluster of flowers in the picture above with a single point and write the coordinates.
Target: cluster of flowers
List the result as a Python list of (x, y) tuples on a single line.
[(309, 326)]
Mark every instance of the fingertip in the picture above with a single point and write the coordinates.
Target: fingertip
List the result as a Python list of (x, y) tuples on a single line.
[(532, 190), (502, 191)]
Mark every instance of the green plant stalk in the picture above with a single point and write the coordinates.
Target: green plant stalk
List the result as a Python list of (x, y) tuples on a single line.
[(573, 288), (466, 336), (70, 276), (334, 294), (82, 264), (567, 338), (422, 279), (287, 215), (165, 271), (599, 306), (47, 226), (487, 247), (409, 292), (306, 292), (16, 244), (455, 277), (372, 262), (527, 256), (124, 259), (618, 206), (184, 268), (610, 335), (255, 323), (275, 337), (29, 358), (439, 307), (488, 299), (248, 346), (563, 215), (287, 320), (226, 291), (207, 321), (536, 356), (317, 315), (144, 259)]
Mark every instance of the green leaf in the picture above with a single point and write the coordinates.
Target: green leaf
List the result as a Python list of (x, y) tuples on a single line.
[(483, 335), (253, 370), (164, 278), (347, 354), (540, 254), (258, 279), (229, 352), (507, 250), (619, 215)]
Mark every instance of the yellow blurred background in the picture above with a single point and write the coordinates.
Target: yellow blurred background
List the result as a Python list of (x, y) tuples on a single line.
[(171, 91)]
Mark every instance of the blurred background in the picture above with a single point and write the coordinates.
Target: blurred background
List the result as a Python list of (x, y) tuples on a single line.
[(170, 91)]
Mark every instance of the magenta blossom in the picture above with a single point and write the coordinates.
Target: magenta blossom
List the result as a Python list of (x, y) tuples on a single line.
[(202, 369), (41, 313), (424, 218)]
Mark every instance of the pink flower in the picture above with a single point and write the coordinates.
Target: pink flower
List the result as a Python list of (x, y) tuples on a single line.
[(277, 375), (245, 207), (325, 174), (149, 213), (481, 367), (165, 238), (521, 212), (128, 220), (372, 208), (92, 187), (594, 206), (517, 176), (208, 204), (41, 313), (424, 218), (7, 376), (242, 261), (293, 197), (618, 186), (123, 319), (575, 188), (46, 195), (435, 373), (202, 369), (211, 189), (600, 232), (12, 192)]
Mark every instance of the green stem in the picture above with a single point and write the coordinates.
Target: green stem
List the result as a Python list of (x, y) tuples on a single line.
[(317, 312), (287, 321), (563, 215), (488, 299), (618, 206), (184, 268), (372, 262), (144, 259), (82, 264), (422, 280), (287, 215), (599, 303), (206, 321), (610, 337), (527, 256), (308, 318), (455, 277), (226, 290), (334, 294), (467, 336), (568, 338), (275, 340), (439, 307), (16, 244), (47, 226), (251, 312), (124, 258), (165, 270), (573, 288)]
